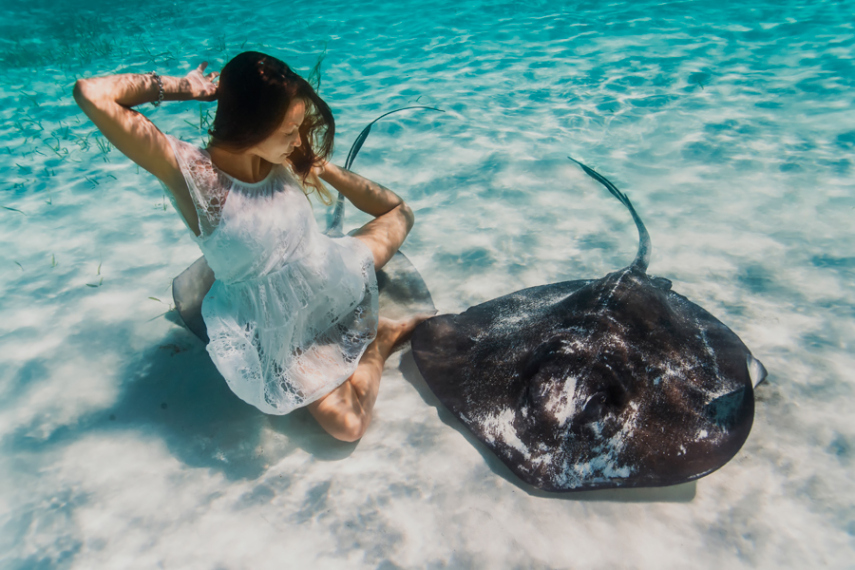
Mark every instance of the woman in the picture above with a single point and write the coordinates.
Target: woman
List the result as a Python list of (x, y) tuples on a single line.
[(292, 316)]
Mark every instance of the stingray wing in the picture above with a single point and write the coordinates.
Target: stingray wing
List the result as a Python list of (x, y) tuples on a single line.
[(444, 347), (615, 382)]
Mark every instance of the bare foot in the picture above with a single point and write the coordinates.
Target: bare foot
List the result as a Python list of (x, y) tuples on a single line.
[(392, 335)]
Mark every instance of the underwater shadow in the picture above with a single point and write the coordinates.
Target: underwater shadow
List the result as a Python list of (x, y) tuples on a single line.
[(173, 392), (177, 393), (682, 493)]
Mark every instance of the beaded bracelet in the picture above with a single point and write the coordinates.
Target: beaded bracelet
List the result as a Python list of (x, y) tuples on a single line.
[(159, 88)]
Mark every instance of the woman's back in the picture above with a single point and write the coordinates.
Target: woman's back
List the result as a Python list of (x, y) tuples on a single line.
[(246, 230)]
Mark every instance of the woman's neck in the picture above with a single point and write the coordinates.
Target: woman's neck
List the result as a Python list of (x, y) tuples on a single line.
[(244, 166)]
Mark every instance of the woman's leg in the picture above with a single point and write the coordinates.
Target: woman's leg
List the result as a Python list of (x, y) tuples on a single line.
[(346, 411)]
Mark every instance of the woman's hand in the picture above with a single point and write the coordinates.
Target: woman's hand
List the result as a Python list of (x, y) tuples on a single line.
[(202, 86), (319, 169)]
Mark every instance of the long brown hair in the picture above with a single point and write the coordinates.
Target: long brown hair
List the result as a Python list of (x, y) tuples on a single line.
[(254, 93)]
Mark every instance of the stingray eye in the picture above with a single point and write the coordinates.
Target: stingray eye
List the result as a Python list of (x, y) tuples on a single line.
[(594, 407), (542, 355)]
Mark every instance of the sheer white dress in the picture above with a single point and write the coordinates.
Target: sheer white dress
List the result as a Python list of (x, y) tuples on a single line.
[(292, 310)]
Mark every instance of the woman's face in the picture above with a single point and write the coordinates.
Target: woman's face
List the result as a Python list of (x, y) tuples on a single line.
[(285, 138)]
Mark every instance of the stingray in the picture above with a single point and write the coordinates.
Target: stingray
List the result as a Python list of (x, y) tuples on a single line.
[(402, 291), (595, 383)]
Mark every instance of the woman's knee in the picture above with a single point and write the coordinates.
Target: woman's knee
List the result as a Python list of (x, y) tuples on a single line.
[(339, 420), (351, 428), (346, 426)]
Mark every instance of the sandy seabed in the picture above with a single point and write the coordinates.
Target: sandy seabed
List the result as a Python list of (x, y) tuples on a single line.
[(731, 128)]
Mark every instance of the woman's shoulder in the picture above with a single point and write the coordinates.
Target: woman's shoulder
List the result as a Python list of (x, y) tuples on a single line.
[(184, 148), (193, 160)]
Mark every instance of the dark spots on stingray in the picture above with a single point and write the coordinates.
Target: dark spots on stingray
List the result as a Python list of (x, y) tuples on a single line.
[(112, 417), (163, 406)]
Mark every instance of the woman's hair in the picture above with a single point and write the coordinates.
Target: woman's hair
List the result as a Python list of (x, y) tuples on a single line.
[(254, 93)]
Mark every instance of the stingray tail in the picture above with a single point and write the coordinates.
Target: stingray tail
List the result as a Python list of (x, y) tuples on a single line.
[(335, 222), (642, 258)]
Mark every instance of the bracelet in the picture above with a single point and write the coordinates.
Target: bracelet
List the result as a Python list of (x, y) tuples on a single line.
[(159, 88)]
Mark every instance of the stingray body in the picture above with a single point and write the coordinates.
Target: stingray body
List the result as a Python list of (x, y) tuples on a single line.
[(596, 383)]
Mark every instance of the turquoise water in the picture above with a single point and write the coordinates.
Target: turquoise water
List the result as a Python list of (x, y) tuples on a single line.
[(730, 126)]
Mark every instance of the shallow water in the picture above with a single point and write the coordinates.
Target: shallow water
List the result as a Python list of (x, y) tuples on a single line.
[(731, 127)]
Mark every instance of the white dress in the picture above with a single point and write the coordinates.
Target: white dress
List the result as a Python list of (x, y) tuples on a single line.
[(291, 310)]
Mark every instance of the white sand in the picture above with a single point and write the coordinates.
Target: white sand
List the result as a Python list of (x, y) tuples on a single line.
[(732, 130)]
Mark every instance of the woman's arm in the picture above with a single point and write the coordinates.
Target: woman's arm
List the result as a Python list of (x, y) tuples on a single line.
[(368, 196), (108, 101)]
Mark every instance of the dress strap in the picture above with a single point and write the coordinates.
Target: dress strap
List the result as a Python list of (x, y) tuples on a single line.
[(207, 190)]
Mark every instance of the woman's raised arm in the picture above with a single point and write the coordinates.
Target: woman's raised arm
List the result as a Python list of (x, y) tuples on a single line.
[(108, 101), (365, 194)]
